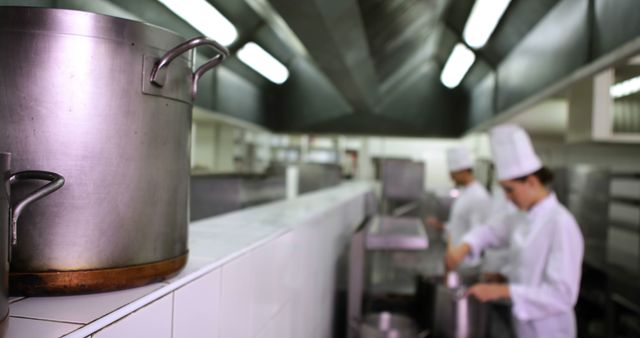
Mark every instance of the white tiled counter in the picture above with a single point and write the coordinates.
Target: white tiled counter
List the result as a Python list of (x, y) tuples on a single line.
[(267, 271)]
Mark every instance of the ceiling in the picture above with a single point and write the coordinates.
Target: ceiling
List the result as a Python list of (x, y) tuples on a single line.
[(371, 51), (373, 66)]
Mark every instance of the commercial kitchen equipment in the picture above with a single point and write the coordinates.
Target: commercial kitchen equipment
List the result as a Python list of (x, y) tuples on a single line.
[(402, 181), (383, 258), (106, 102)]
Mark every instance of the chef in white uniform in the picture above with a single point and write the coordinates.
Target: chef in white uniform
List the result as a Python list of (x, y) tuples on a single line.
[(545, 243), (495, 260), (473, 204)]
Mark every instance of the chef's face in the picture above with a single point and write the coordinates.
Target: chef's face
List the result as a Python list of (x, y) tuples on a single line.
[(458, 177), (520, 192)]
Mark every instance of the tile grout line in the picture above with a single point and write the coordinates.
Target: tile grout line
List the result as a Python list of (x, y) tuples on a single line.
[(173, 309), (218, 329), (272, 317), (48, 320)]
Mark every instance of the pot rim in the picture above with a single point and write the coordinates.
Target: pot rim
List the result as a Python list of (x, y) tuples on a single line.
[(89, 24)]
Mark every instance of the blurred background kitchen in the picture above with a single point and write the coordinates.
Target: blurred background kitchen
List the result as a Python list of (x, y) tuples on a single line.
[(320, 94)]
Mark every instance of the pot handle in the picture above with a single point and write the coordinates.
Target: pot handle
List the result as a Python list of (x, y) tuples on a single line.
[(55, 182), (159, 74)]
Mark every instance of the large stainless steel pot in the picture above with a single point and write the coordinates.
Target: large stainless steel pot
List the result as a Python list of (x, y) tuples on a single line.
[(107, 103), (9, 214)]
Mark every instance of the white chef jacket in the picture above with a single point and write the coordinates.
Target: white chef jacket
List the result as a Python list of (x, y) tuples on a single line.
[(546, 250), (470, 209), (495, 260)]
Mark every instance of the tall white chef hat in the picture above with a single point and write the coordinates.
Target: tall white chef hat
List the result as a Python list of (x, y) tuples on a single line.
[(512, 152), (459, 158)]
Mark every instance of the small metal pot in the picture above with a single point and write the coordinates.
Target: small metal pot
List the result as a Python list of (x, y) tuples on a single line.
[(457, 315), (10, 212)]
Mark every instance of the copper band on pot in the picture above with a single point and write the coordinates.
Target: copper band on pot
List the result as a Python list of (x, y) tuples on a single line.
[(90, 281)]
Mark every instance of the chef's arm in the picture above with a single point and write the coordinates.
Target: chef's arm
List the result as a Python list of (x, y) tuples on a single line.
[(488, 292), (474, 242), (486, 236), (434, 222), (455, 255)]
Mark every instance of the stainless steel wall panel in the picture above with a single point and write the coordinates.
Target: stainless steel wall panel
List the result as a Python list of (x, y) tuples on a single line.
[(239, 97), (210, 197), (315, 176), (518, 20), (625, 214), (333, 33), (623, 248), (482, 100), (591, 215), (615, 23), (217, 194), (424, 103), (555, 47), (592, 181), (625, 187), (587, 188), (560, 184), (308, 97)]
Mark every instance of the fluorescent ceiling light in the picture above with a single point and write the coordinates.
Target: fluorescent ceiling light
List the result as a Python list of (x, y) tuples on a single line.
[(482, 20), (205, 18), (457, 65), (262, 62), (625, 88)]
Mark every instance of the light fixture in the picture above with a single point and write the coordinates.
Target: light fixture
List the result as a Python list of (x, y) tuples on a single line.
[(625, 88), (262, 62), (457, 65), (204, 18), (482, 20)]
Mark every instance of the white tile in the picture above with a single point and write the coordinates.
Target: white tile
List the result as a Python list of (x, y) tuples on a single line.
[(237, 301), (153, 320), (305, 281), (283, 322), (269, 331), (30, 328), (273, 288), (284, 257), (196, 308), (301, 326), (316, 250), (80, 309)]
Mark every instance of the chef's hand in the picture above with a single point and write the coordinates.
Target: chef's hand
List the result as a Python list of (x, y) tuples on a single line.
[(488, 292), (434, 222), (455, 255), (493, 277)]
